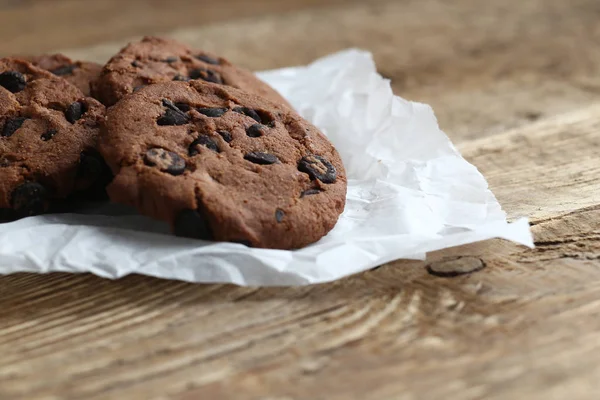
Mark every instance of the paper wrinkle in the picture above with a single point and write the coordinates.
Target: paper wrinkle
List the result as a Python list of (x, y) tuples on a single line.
[(409, 193)]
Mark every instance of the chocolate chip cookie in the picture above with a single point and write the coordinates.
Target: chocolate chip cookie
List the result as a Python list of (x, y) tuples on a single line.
[(218, 163), (48, 133), (154, 60), (78, 73)]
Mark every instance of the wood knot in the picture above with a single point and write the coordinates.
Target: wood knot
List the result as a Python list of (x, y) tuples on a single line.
[(455, 266)]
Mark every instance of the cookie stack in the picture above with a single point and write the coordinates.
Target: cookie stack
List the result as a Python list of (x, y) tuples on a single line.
[(186, 137)]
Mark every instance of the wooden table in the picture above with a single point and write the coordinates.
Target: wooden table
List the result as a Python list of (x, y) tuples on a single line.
[(515, 84)]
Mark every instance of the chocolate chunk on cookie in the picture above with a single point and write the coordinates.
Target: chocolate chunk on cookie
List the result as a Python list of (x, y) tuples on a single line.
[(258, 157), (47, 126), (154, 60), (318, 167), (13, 81), (165, 160), (78, 73), (204, 174)]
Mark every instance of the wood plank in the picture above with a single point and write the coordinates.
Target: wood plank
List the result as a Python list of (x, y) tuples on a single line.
[(484, 69), (43, 25), (525, 326), (558, 170), (522, 62)]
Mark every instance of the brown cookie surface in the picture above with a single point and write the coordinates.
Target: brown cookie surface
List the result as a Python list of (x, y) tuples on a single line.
[(154, 60), (78, 73), (221, 164), (48, 133)]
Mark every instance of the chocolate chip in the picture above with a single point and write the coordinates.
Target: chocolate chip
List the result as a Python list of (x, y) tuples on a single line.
[(279, 214), (261, 158), (91, 166), (212, 112), (177, 107), (172, 116), (249, 113), (203, 140), (30, 198), (255, 130), (135, 89), (171, 59), (183, 107), (4, 162), (196, 73), (49, 134), (169, 104), (64, 70), (12, 125), (318, 167), (136, 64), (13, 81), (206, 75), (192, 224), (207, 59), (181, 78), (165, 160), (75, 111), (214, 77), (93, 175), (257, 115), (310, 192), (225, 135)]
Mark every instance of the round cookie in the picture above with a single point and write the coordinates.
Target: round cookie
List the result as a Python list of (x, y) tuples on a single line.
[(154, 60), (48, 133), (78, 73), (218, 163)]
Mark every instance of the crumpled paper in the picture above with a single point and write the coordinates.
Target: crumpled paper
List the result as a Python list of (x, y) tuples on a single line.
[(409, 192)]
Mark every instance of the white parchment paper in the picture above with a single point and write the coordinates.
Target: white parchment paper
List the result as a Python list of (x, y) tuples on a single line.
[(410, 192)]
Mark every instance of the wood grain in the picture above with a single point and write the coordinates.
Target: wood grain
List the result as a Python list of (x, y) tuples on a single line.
[(43, 25), (534, 151), (516, 85), (524, 326), (484, 69)]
